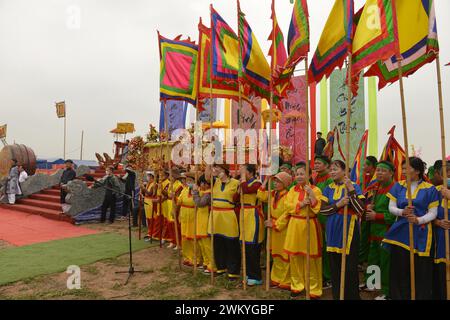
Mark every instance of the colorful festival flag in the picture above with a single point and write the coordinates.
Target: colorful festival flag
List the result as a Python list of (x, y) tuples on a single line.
[(417, 33), (375, 36), (278, 54), (255, 68), (220, 89), (357, 173), (178, 69), (335, 41), (394, 153), (225, 49), (176, 115), (3, 130), (298, 36), (61, 109)]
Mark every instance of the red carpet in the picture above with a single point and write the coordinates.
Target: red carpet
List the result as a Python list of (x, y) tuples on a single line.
[(21, 229)]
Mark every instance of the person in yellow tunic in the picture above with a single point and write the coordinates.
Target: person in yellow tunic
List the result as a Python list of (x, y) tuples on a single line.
[(303, 200), (149, 206), (227, 252), (186, 205), (253, 223), (280, 275), (202, 199), (176, 189), (164, 198)]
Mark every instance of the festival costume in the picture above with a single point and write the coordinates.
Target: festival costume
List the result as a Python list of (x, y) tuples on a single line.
[(170, 227), (227, 251), (203, 201), (150, 208), (439, 268), (321, 182), (254, 228), (187, 215), (365, 226), (279, 275), (377, 255), (334, 230), (295, 246), (424, 198)]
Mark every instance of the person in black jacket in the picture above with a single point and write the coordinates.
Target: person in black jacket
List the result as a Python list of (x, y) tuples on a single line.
[(319, 145), (130, 184), (68, 175), (112, 189)]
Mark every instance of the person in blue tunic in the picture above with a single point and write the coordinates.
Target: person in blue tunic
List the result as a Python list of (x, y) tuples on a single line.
[(333, 202), (440, 227), (425, 200)]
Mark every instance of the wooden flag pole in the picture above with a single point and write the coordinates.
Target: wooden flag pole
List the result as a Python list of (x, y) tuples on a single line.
[(347, 165), (408, 180), (81, 148), (444, 173), (160, 188), (195, 208), (65, 130), (171, 191), (242, 210), (212, 177), (269, 200), (308, 220)]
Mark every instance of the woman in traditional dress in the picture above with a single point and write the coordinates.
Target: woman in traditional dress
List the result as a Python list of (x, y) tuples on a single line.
[(342, 192), (279, 275), (424, 209)]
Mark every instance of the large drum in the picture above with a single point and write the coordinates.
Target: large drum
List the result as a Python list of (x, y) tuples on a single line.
[(24, 156)]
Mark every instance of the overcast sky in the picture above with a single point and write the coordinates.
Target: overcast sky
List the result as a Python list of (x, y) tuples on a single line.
[(104, 62)]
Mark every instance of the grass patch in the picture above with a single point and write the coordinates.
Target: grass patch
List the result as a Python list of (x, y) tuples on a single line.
[(55, 256)]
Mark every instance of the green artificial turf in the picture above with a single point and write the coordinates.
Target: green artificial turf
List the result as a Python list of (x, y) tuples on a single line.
[(55, 256)]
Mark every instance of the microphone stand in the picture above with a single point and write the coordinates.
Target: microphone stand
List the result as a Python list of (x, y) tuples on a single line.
[(131, 270)]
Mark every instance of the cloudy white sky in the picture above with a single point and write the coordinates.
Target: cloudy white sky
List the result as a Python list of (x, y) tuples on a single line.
[(107, 67)]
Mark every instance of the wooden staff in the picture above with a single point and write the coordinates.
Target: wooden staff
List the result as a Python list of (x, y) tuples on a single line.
[(242, 210), (212, 177), (444, 173), (171, 191), (195, 226), (347, 165), (408, 180), (308, 226), (160, 188), (269, 207)]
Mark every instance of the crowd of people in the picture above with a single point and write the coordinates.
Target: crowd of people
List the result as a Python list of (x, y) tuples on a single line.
[(208, 204)]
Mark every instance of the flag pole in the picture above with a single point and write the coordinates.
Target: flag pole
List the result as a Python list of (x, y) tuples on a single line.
[(81, 149), (161, 169), (210, 128), (408, 180), (195, 205), (269, 207), (444, 173), (171, 193), (308, 220), (347, 165), (242, 210), (65, 129)]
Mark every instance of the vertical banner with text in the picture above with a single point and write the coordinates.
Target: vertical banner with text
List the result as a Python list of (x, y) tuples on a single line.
[(176, 115), (293, 122), (338, 113)]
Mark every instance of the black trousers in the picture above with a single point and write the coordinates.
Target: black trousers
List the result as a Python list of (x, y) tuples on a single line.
[(399, 283), (109, 202), (253, 261), (351, 271), (439, 282), (63, 196), (227, 255)]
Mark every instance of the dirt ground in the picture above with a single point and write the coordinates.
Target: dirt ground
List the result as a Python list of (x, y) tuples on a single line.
[(160, 278)]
